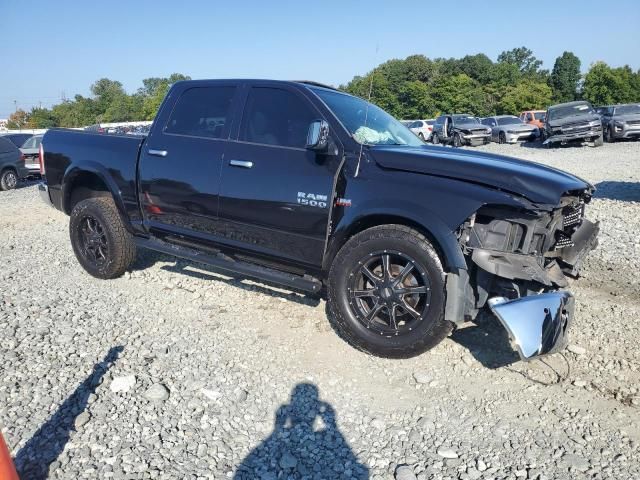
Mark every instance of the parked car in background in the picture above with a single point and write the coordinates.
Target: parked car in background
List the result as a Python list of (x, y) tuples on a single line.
[(534, 117), (620, 121), (17, 138), (460, 129), (510, 129), (12, 166), (31, 154), (572, 122), (422, 128)]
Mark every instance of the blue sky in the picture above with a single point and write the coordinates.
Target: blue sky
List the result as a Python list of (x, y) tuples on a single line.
[(56, 46)]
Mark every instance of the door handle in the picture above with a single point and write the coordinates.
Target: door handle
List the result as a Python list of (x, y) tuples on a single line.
[(158, 153), (240, 163)]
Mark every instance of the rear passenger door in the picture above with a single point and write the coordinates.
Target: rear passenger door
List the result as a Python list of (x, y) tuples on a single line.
[(180, 163), (275, 193)]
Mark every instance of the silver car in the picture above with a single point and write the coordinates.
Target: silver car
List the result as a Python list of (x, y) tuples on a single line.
[(510, 129), (30, 152)]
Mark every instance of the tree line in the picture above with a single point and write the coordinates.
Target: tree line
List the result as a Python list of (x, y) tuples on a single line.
[(419, 87), (109, 103), (416, 87)]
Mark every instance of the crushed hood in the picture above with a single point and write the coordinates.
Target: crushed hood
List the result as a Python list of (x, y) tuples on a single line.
[(536, 182), (559, 122)]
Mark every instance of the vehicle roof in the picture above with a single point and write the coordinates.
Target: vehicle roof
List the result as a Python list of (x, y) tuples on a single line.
[(569, 104)]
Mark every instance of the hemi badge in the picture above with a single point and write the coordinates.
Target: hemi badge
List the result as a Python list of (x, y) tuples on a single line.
[(343, 202)]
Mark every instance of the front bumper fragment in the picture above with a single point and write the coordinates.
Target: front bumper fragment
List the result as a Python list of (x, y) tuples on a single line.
[(537, 324), (568, 137)]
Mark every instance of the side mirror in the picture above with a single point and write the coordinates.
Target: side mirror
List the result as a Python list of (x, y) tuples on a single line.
[(318, 136)]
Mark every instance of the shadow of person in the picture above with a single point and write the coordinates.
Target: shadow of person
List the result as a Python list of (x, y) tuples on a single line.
[(305, 443), (48, 442)]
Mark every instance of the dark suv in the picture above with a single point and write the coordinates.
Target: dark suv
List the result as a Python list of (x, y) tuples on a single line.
[(459, 130), (572, 122), (620, 121)]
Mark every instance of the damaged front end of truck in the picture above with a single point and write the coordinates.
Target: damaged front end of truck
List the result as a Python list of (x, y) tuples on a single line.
[(518, 263)]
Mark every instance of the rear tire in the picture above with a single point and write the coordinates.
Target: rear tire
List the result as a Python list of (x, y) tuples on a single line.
[(100, 241), (421, 136), (8, 179), (377, 315)]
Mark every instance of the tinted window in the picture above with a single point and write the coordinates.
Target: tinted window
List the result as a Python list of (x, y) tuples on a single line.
[(276, 117), (439, 120), (488, 121), (6, 145), (18, 138), (202, 112)]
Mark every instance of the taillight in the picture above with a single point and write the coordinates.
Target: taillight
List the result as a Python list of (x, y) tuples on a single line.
[(41, 158)]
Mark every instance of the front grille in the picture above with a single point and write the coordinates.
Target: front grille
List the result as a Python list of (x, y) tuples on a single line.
[(478, 130), (563, 240), (633, 122), (573, 216)]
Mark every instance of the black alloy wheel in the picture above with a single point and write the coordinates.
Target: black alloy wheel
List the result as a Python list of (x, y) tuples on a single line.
[(457, 140), (93, 241), (389, 292)]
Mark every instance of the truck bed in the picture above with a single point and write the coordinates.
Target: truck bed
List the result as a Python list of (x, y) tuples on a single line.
[(88, 151)]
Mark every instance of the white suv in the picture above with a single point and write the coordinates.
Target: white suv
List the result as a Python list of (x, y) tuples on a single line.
[(422, 128)]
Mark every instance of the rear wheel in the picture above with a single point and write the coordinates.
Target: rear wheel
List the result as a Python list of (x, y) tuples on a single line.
[(99, 239), (421, 136), (386, 292), (8, 179)]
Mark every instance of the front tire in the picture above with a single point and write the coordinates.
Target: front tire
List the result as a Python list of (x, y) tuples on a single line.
[(502, 138), (386, 293), (608, 136), (457, 140), (8, 180), (100, 241), (599, 141)]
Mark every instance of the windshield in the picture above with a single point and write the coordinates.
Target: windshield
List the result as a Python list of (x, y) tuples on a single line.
[(508, 120), (539, 115), (627, 109), (570, 111), (372, 127), (460, 119)]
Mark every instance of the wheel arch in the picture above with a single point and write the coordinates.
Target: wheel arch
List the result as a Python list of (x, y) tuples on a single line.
[(90, 181), (441, 238)]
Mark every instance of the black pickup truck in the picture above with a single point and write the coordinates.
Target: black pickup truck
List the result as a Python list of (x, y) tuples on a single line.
[(301, 185)]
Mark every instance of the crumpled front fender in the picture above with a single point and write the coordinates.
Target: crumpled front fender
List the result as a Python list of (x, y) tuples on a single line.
[(537, 324)]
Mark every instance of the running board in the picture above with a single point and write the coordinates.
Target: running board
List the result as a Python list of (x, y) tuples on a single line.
[(223, 262)]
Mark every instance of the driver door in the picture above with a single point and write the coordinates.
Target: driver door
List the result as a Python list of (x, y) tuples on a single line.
[(276, 194)]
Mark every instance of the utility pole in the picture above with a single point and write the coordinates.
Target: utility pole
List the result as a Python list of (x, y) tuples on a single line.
[(15, 105)]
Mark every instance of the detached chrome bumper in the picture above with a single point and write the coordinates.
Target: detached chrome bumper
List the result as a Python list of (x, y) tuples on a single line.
[(43, 190), (537, 324)]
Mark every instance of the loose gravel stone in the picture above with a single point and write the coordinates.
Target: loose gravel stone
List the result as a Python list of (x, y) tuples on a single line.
[(157, 393), (405, 472), (578, 350), (447, 453), (122, 384)]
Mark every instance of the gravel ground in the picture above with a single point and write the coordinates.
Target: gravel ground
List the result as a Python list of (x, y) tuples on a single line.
[(175, 371)]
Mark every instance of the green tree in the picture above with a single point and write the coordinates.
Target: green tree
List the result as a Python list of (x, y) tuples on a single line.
[(18, 120), (528, 94), (458, 94), (604, 85), (565, 77), (524, 59), (42, 118), (415, 100)]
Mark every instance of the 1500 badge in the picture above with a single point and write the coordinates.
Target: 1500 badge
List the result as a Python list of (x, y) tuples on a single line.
[(312, 199)]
